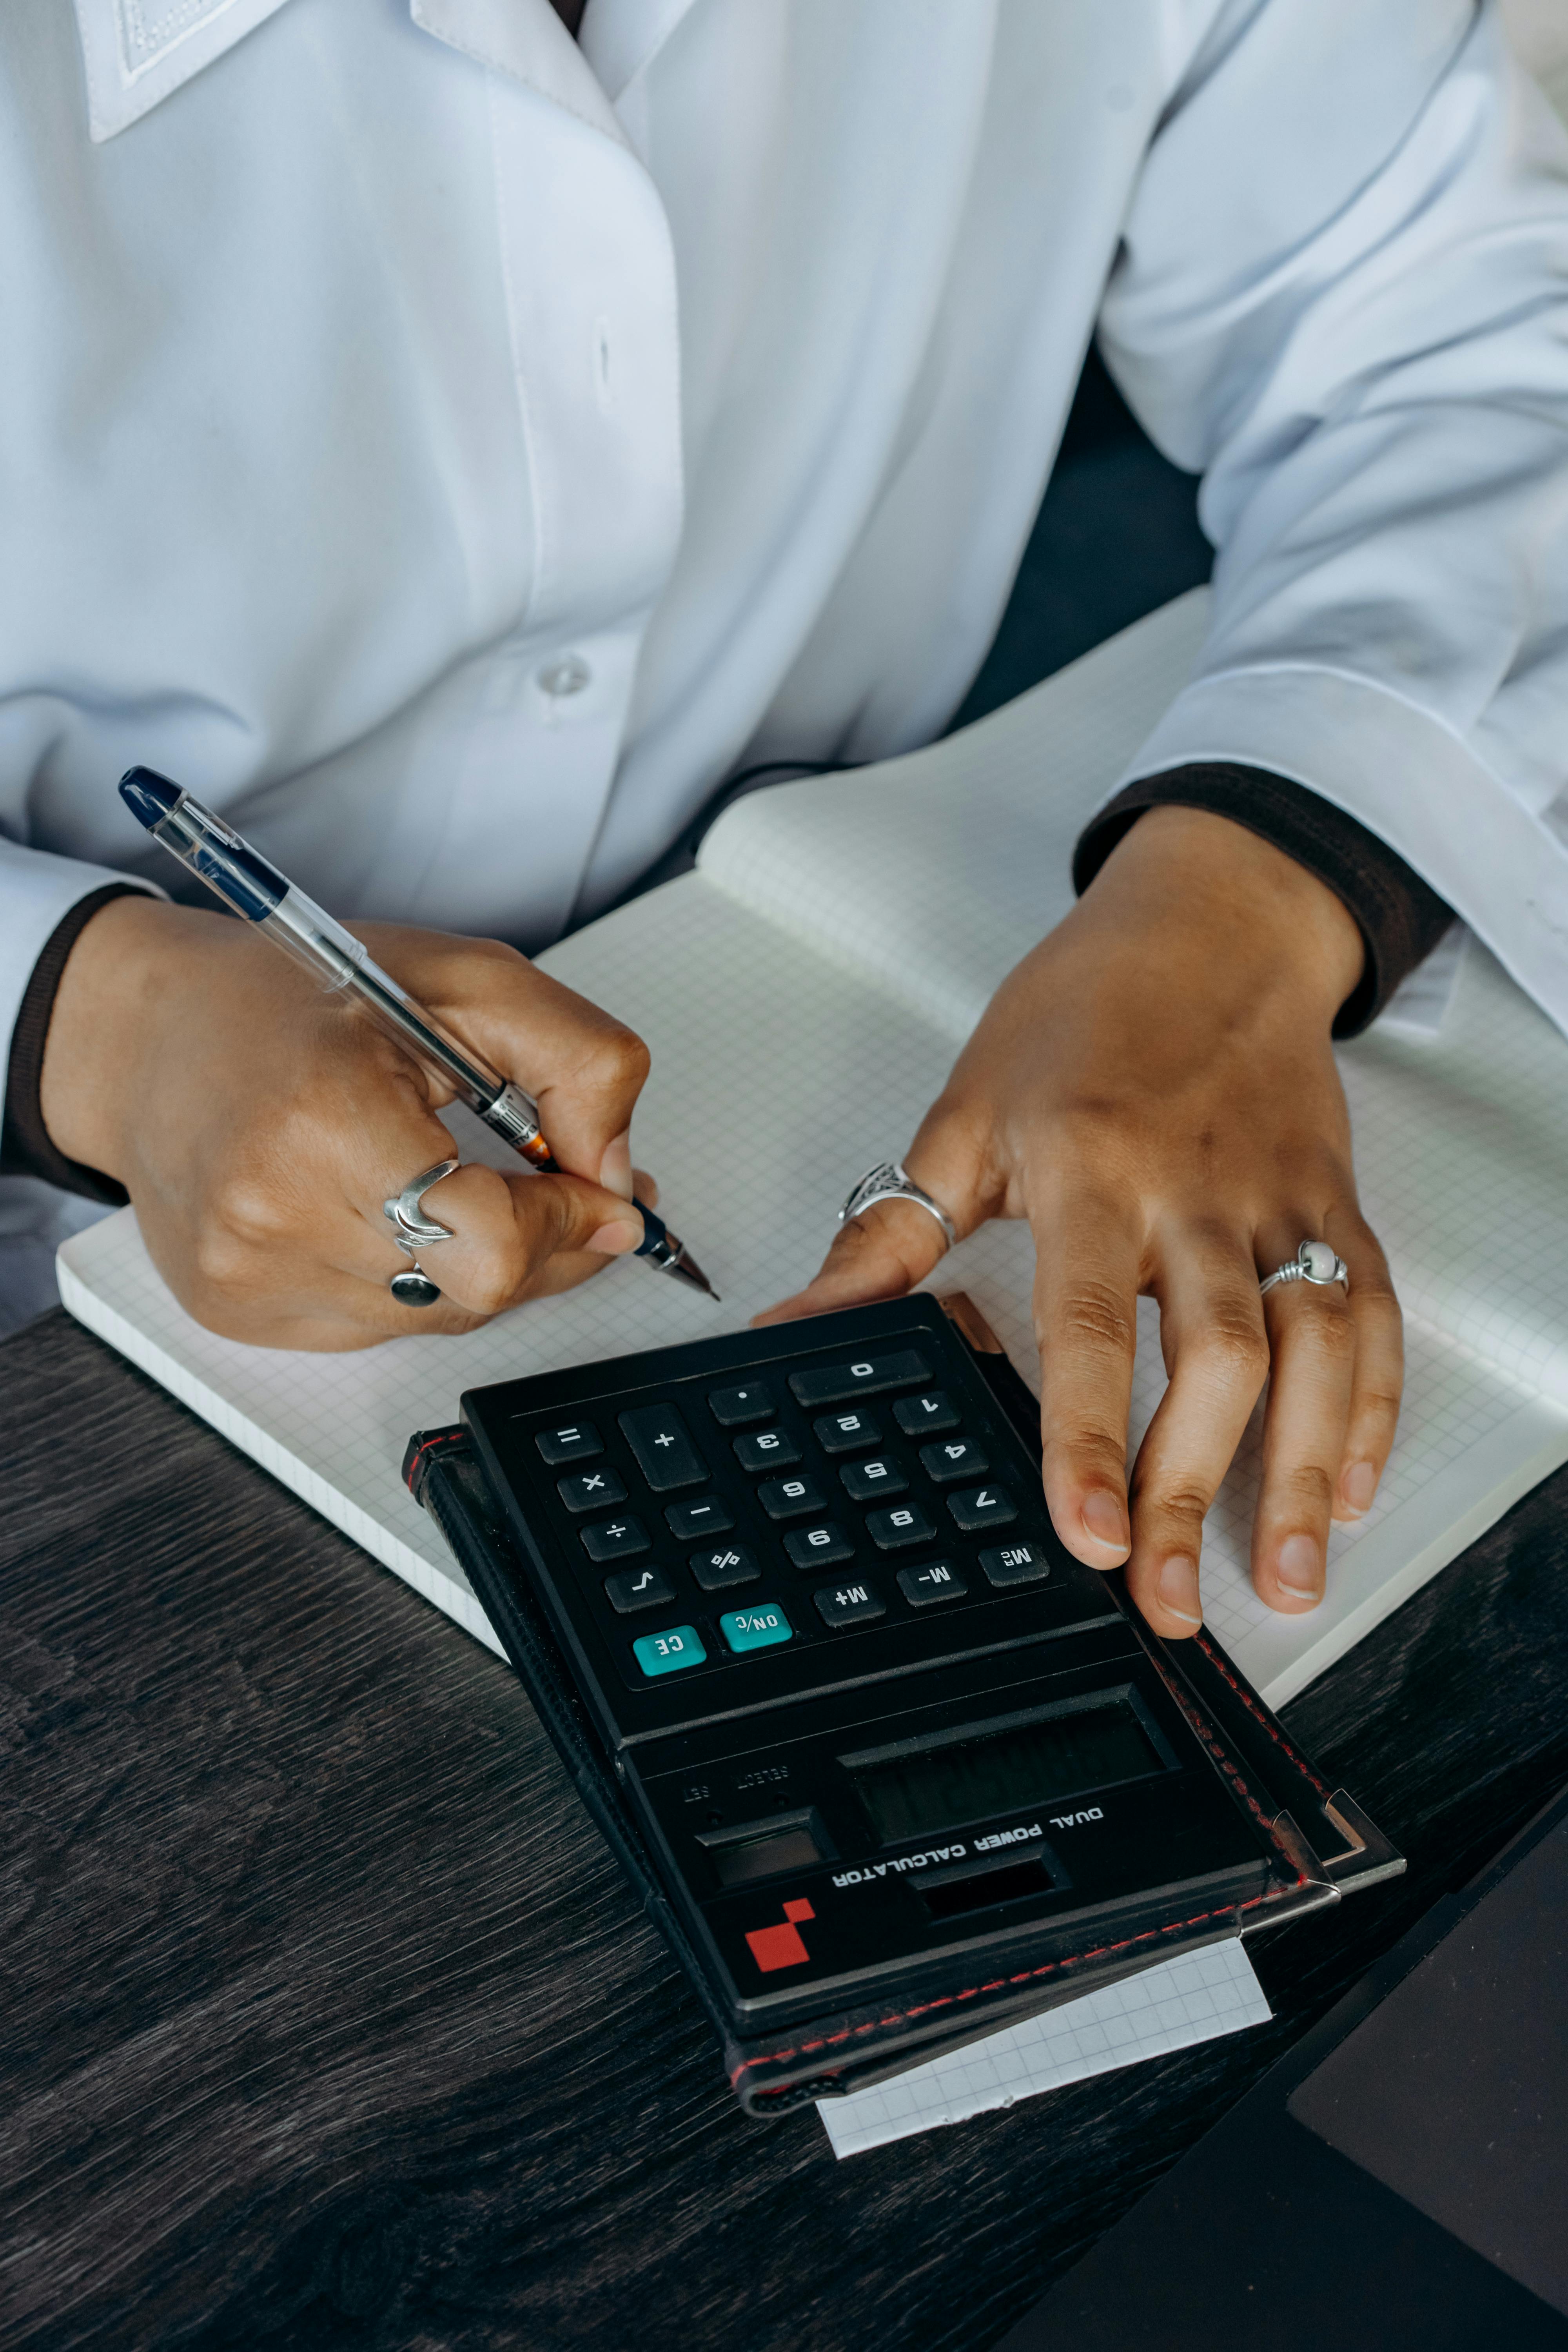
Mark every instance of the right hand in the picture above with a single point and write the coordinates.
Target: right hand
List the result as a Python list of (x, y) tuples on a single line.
[(258, 1123)]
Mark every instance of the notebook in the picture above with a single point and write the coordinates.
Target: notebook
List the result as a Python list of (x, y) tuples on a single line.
[(805, 993)]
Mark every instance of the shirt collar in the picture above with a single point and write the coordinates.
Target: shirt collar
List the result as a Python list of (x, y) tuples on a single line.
[(138, 52)]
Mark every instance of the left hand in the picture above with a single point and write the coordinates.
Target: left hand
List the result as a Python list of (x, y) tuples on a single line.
[(1154, 1088)]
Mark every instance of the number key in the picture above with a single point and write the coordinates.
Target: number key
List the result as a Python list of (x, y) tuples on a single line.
[(926, 1417), (766, 1449), (819, 1546), (789, 1498), (953, 1457), (983, 1507), (847, 1433), (867, 1482), (893, 1531)]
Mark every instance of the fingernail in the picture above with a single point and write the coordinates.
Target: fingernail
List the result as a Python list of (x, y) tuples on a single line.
[(1358, 1487), (614, 1239), (615, 1168), (1104, 1516), (1300, 1567), (1177, 1588)]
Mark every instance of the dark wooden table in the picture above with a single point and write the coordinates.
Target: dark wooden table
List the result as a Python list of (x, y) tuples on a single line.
[(324, 2013)]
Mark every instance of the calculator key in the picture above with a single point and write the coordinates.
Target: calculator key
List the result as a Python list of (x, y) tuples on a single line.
[(639, 1588), (983, 1507), (1019, 1563), (737, 1408), (893, 1530), (687, 1521), (866, 1482), (926, 1417), (955, 1457), (670, 1653), (574, 1441), (789, 1498), (665, 1454), (591, 1490), (615, 1539), (758, 1628), (766, 1449), (819, 1546), (849, 1604), (726, 1564), (856, 1376), (847, 1433), (939, 1581)]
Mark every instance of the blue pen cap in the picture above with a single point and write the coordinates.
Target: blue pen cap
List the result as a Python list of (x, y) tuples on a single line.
[(242, 878)]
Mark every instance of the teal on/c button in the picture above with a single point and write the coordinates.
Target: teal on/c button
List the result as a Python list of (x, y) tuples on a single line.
[(756, 1629), (668, 1653)]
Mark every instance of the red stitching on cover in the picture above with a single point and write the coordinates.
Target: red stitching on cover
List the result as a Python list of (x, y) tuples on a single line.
[(442, 1437), (1252, 1707), (1027, 1975)]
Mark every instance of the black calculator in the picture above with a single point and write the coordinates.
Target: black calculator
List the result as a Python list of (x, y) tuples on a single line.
[(889, 1765)]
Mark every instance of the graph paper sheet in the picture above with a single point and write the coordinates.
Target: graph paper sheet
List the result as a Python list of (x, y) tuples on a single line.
[(1168, 2007), (803, 995)]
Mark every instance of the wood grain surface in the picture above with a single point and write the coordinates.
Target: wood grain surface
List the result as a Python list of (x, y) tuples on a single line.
[(327, 2021)]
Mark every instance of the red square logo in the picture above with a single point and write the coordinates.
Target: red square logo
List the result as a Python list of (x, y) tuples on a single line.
[(783, 1946)]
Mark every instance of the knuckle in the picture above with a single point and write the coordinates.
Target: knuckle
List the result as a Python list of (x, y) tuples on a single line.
[(1179, 1501), (1231, 1348), (225, 1261), (1094, 1317), (1307, 1488)]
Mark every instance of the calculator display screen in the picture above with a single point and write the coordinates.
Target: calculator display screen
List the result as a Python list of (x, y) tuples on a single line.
[(940, 1787)]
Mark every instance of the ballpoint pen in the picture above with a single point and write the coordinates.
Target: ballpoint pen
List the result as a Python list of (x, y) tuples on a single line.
[(252, 888)]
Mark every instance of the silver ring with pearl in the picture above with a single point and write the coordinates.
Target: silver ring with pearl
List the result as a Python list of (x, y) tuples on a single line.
[(1315, 1262)]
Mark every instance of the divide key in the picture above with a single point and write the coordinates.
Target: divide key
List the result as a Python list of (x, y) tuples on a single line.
[(859, 1376), (665, 1454)]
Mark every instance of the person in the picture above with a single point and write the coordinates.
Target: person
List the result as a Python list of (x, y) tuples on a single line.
[(454, 439)]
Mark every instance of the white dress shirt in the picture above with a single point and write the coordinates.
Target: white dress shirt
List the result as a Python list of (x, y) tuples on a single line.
[(452, 450)]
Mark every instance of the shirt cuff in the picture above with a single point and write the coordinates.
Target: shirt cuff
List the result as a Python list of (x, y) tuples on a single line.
[(1400, 916), (25, 1148)]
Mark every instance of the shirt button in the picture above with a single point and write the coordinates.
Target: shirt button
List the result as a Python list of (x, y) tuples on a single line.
[(567, 674)]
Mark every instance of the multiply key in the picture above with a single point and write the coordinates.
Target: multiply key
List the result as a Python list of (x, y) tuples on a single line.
[(665, 1454)]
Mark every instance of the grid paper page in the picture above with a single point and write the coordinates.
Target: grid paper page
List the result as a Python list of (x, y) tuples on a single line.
[(1169, 2006)]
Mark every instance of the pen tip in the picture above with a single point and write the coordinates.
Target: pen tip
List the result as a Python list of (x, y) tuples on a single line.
[(148, 795)]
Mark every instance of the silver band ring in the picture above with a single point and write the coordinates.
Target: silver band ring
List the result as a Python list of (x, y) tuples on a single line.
[(1315, 1262), (891, 1180), (414, 1229)]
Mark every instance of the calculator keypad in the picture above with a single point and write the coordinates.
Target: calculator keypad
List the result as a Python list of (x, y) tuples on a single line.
[(810, 1508)]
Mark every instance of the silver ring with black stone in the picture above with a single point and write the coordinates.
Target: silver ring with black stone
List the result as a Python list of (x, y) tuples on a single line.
[(414, 1229)]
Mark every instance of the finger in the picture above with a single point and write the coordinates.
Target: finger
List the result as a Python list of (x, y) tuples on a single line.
[(887, 1249), (584, 1066), (1086, 1320), (505, 1229), (1216, 1352), (1313, 1339), (1379, 1380)]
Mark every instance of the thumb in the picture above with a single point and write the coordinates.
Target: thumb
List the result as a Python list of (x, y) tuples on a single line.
[(893, 1244)]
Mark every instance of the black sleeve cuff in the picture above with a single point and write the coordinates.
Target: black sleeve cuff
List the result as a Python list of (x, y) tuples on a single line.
[(24, 1146), (1400, 916)]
